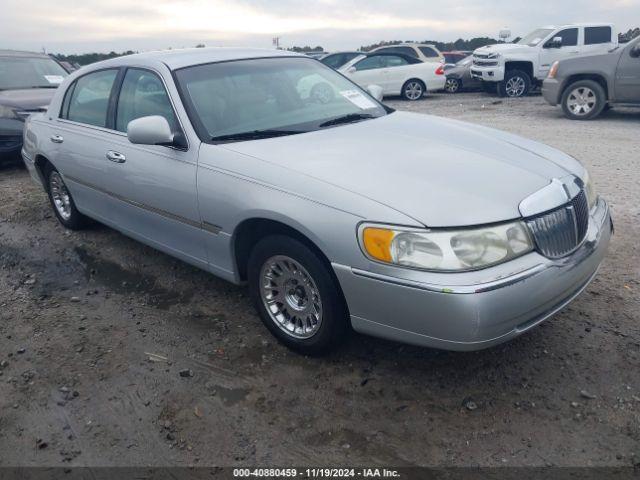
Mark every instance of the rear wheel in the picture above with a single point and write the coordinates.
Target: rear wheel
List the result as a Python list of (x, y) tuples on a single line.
[(296, 296), (452, 85), (516, 84), (413, 89), (583, 100), (62, 202)]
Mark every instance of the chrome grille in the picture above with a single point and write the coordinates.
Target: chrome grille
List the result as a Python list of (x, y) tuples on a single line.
[(559, 232)]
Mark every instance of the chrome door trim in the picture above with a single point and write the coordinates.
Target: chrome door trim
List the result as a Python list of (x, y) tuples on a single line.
[(206, 226)]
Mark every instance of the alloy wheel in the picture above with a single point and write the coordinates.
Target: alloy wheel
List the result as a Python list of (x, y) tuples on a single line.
[(515, 87), (60, 195), (413, 91), (581, 101), (291, 297), (452, 85)]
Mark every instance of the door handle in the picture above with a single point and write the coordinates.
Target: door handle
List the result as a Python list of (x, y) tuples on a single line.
[(56, 139), (116, 157)]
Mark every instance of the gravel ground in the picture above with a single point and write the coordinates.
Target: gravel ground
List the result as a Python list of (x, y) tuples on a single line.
[(114, 354)]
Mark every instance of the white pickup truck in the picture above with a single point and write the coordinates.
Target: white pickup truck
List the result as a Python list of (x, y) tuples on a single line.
[(514, 68)]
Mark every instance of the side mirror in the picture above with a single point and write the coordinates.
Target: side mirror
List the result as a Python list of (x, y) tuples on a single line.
[(152, 130), (351, 70), (375, 91), (555, 42)]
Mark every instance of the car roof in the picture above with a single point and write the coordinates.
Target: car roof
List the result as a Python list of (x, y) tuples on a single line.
[(587, 24), (180, 58), (19, 53)]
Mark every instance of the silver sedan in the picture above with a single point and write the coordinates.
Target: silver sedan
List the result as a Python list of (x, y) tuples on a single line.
[(337, 211)]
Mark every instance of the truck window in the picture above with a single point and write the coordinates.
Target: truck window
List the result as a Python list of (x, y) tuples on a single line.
[(569, 37), (596, 35)]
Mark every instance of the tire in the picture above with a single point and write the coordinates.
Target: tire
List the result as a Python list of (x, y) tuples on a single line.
[(301, 290), (583, 100), (413, 89), (453, 85), (62, 202), (516, 84)]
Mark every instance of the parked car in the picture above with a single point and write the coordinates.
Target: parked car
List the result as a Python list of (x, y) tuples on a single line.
[(27, 83), (338, 59), (337, 215), (459, 77), (422, 51), (396, 73), (585, 86), (452, 58), (514, 69)]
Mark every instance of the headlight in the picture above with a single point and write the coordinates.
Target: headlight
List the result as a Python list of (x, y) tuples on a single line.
[(493, 55), (590, 190), (445, 250), (7, 112), (554, 69)]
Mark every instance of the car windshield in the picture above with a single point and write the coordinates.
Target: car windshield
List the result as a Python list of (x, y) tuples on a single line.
[(535, 37), (236, 100), (30, 72)]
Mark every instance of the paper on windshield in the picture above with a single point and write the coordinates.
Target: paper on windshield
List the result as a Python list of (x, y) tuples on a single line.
[(54, 79), (358, 99)]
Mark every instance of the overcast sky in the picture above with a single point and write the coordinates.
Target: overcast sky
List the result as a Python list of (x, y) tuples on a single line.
[(77, 26)]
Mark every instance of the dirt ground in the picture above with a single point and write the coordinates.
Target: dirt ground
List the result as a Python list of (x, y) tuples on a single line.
[(113, 354)]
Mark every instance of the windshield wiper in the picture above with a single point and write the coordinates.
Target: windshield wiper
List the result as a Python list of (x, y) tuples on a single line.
[(351, 117), (255, 135)]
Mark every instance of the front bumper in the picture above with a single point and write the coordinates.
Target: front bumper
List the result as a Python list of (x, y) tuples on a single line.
[(487, 74), (551, 91), (10, 139), (474, 316)]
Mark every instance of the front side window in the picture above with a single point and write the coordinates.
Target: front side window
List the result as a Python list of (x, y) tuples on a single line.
[(89, 98), (334, 61), (30, 72), (142, 94), (535, 37), (597, 35), (248, 99), (371, 63), (428, 52), (569, 37)]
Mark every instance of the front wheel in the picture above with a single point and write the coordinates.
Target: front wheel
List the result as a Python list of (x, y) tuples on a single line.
[(583, 100), (296, 296), (452, 85), (516, 84), (62, 202), (413, 89)]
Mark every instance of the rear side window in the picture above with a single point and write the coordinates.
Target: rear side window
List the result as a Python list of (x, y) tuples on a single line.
[(143, 94), (569, 37), (394, 61), (429, 52), (88, 100), (370, 63), (597, 35), (405, 50)]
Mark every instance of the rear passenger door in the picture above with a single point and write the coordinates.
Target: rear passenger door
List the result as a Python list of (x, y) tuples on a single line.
[(155, 186), (627, 87), (597, 40), (81, 136)]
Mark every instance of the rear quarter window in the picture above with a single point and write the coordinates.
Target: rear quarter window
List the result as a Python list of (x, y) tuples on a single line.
[(597, 35)]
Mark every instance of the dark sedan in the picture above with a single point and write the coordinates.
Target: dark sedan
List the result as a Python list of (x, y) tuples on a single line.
[(27, 83), (459, 77)]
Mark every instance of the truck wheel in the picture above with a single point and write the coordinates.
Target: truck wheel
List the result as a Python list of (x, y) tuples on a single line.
[(583, 100), (516, 84)]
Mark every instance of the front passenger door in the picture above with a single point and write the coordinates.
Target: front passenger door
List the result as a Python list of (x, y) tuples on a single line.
[(628, 75), (551, 53), (155, 185)]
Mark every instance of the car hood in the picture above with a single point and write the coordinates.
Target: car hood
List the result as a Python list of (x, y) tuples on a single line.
[(27, 99), (503, 48), (440, 172)]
